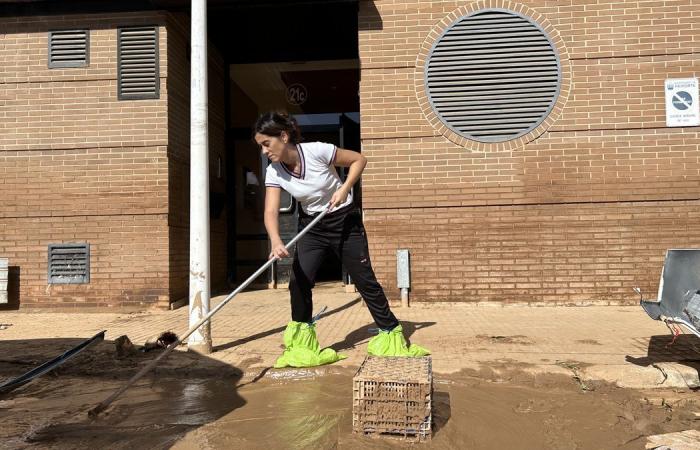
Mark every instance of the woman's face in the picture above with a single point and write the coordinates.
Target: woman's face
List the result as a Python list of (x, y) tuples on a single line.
[(272, 147)]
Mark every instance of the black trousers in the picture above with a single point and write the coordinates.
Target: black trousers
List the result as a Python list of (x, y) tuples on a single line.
[(342, 233)]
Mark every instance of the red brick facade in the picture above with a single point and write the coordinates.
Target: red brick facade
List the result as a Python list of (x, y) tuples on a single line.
[(579, 212), (79, 165)]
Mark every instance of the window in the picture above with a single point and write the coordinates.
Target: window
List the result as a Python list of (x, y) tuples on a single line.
[(69, 48), (137, 63), (493, 76)]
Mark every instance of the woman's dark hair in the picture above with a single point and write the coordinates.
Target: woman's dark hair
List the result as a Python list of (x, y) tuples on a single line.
[(274, 123)]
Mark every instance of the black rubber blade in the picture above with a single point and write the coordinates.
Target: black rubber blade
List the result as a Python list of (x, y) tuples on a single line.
[(48, 366)]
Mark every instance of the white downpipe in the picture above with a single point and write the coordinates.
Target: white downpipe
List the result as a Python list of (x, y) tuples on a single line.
[(199, 294)]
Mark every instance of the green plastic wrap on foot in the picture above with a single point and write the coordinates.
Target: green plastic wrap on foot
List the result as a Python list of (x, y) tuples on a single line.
[(392, 343), (302, 349)]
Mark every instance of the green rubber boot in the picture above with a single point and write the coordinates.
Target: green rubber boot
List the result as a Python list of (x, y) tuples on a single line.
[(302, 349), (392, 343)]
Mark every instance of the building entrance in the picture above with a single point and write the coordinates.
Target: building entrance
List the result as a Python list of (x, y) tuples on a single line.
[(318, 83)]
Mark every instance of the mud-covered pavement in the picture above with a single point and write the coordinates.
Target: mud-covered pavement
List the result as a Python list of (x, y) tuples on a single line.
[(197, 402)]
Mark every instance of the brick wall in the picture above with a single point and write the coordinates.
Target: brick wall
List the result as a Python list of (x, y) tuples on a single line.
[(559, 253), (582, 213), (78, 165)]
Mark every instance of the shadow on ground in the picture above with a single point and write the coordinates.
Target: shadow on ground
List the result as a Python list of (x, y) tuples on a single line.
[(185, 392), (280, 329), (685, 350), (368, 331)]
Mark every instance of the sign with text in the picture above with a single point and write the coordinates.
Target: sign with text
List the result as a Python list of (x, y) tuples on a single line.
[(682, 102), (297, 94)]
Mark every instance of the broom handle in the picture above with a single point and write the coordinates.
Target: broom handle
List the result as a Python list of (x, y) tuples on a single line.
[(94, 412)]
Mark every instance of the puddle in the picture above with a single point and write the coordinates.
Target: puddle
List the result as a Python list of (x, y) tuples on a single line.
[(53, 413), (528, 412), (197, 407)]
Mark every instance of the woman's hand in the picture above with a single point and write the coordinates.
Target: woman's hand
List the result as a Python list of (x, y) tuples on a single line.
[(278, 250), (339, 196)]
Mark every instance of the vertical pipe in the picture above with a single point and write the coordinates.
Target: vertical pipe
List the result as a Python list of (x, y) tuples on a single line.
[(404, 298), (403, 275), (199, 293)]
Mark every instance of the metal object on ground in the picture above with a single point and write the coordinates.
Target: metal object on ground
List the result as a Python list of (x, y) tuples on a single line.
[(392, 396), (48, 366), (316, 318), (679, 291), (403, 275), (4, 269), (105, 403)]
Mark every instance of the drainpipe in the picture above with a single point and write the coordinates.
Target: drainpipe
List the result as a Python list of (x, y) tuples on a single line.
[(200, 340)]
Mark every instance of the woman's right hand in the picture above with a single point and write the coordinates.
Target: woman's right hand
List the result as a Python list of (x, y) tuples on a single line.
[(278, 250)]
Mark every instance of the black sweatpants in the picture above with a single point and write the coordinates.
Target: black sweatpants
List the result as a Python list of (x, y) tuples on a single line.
[(343, 233)]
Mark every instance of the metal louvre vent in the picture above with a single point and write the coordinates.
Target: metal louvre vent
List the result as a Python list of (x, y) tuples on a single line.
[(69, 48), (69, 263), (137, 63), (493, 76)]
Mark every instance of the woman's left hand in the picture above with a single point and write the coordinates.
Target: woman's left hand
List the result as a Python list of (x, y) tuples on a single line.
[(339, 197)]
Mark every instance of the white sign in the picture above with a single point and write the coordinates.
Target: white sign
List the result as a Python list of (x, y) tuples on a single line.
[(682, 102)]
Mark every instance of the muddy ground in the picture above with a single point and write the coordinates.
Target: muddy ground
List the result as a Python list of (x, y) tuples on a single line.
[(194, 402)]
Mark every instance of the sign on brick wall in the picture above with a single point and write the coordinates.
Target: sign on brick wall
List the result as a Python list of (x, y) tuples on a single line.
[(682, 102)]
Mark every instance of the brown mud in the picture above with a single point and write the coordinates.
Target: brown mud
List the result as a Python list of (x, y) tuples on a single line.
[(194, 402)]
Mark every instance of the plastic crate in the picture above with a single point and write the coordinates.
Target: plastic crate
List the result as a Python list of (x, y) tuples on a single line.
[(392, 397)]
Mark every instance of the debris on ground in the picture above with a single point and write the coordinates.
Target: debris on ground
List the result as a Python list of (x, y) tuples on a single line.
[(5, 326), (14, 383), (682, 440), (125, 348), (500, 339), (575, 368), (166, 338), (162, 341)]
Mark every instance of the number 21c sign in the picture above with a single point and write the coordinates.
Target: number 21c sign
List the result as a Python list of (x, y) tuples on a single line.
[(297, 94)]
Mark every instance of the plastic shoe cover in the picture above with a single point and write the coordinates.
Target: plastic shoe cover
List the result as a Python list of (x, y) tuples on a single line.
[(392, 343), (302, 349)]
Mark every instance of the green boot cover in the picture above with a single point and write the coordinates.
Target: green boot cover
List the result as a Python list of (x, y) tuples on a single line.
[(392, 343), (302, 349)]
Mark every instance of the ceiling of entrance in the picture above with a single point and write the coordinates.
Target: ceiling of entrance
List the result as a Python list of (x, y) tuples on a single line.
[(301, 88)]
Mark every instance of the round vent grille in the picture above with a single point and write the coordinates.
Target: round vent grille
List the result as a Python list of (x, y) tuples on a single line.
[(493, 76)]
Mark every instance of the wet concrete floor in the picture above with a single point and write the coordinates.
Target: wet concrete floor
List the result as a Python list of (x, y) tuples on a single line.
[(195, 403)]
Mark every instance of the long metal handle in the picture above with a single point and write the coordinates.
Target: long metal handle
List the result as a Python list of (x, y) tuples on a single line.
[(105, 403)]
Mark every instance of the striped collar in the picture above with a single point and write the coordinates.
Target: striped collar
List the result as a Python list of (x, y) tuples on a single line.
[(302, 164)]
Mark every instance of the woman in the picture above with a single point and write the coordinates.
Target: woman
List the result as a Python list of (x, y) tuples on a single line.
[(307, 172)]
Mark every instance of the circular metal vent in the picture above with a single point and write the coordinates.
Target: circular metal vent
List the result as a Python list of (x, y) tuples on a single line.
[(493, 76)]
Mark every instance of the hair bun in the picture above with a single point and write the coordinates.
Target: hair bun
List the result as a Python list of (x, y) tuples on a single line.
[(273, 123)]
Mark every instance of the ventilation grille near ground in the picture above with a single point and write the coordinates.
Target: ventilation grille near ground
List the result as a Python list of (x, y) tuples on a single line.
[(493, 76), (137, 63), (69, 48), (69, 263)]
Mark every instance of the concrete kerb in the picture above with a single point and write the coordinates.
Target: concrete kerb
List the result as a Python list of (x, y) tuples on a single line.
[(656, 376)]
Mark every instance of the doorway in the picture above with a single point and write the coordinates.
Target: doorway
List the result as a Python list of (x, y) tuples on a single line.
[(323, 97), (298, 56)]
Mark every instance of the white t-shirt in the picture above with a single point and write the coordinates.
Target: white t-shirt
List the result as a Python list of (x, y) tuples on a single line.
[(316, 183)]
